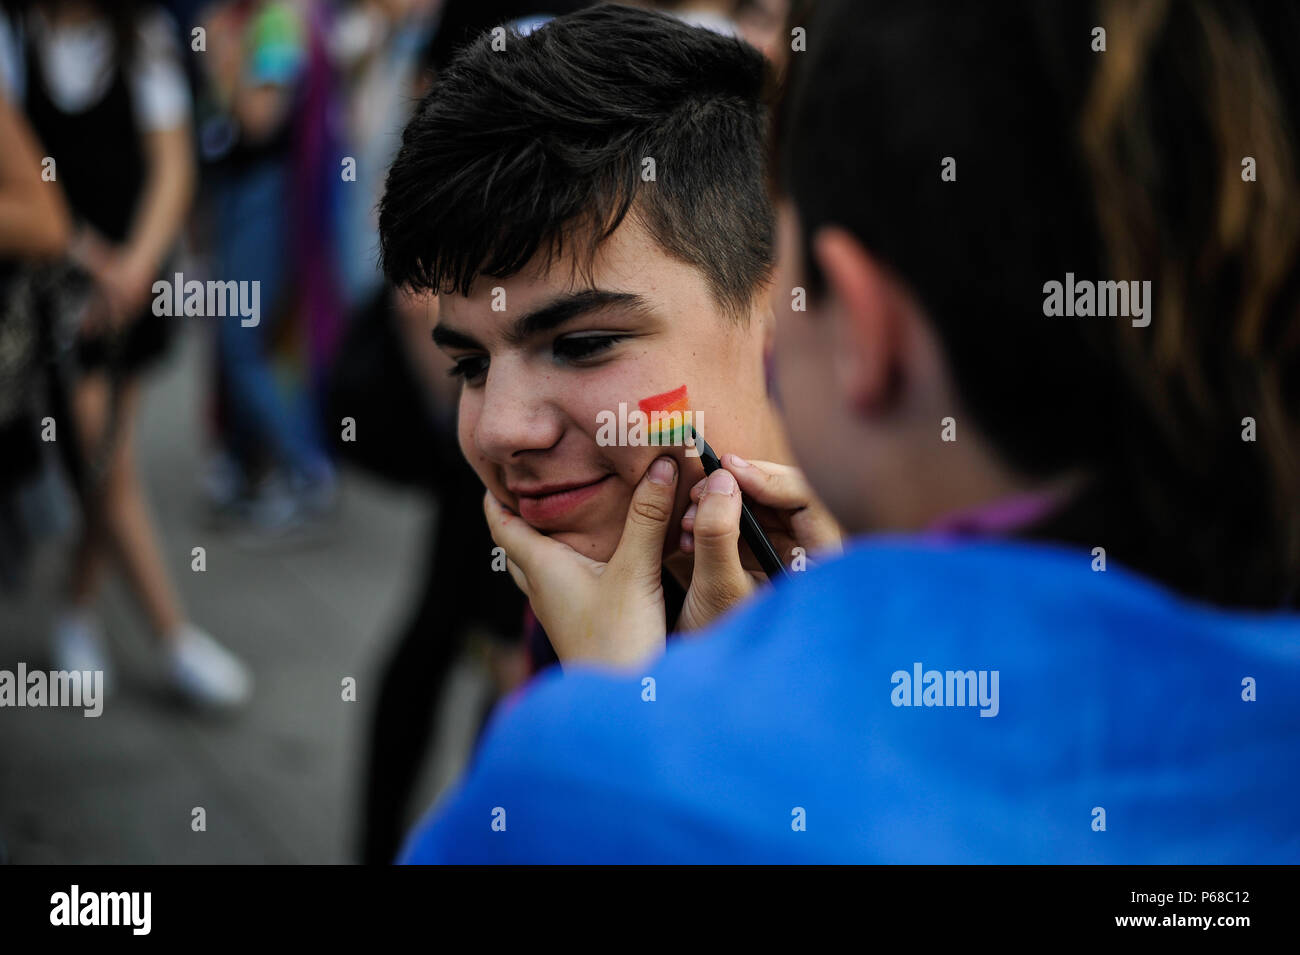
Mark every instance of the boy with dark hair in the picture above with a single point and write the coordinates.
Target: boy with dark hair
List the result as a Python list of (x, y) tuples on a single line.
[(589, 202)]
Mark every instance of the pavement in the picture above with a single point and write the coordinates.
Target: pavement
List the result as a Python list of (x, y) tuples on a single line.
[(278, 782)]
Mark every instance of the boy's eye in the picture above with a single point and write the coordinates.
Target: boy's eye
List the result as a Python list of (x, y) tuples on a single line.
[(470, 368), (573, 348), (577, 347)]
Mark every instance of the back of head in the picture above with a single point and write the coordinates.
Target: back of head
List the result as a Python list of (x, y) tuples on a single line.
[(1122, 163)]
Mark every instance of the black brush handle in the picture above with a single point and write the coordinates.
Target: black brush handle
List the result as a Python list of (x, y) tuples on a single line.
[(759, 544), (750, 529)]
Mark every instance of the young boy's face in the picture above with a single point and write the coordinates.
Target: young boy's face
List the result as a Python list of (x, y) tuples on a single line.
[(540, 372)]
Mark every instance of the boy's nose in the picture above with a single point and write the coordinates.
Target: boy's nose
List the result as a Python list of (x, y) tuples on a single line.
[(515, 419)]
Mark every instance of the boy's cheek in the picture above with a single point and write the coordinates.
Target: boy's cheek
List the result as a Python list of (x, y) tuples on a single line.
[(689, 468), (466, 419), (486, 471)]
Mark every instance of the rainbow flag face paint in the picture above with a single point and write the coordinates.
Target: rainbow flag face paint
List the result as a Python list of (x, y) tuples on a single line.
[(659, 421), (669, 417)]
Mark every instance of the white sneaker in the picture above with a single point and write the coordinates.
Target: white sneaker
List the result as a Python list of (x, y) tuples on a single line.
[(78, 644), (206, 673)]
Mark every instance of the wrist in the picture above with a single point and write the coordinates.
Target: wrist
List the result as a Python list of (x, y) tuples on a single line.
[(83, 247), (139, 264)]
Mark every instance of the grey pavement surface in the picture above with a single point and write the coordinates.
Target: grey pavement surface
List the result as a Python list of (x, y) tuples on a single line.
[(279, 781)]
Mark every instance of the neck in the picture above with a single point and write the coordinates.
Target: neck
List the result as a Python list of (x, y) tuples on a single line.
[(965, 483)]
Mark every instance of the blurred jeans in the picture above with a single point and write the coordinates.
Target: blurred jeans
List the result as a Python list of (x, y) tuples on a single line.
[(253, 244)]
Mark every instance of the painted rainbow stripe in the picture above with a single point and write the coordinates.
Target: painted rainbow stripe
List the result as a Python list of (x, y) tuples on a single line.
[(664, 416)]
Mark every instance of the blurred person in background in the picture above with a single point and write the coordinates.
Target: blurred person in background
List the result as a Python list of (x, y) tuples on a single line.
[(102, 87), (376, 47), (762, 24), (716, 15), (34, 220), (1111, 534), (269, 133), (35, 228)]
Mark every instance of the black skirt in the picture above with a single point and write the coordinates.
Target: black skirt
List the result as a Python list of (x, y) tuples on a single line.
[(131, 350)]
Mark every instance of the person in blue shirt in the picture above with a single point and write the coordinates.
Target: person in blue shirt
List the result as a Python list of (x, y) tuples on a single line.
[(777, 737), (1037, 344)]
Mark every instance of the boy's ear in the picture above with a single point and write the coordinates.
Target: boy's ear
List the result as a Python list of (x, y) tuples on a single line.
[(865, 305)]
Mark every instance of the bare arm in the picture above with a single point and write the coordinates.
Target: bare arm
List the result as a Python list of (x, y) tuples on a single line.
[(165, 200), (34, 221)]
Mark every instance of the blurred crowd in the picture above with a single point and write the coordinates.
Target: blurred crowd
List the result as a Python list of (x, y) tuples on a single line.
[(239, 141)]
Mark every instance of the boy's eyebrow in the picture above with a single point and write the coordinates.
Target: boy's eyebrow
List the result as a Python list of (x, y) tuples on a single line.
[(560, 310), (546, 317), (444, 336)]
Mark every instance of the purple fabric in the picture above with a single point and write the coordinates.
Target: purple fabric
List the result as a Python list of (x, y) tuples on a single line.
[(997, 518), (316, 202)]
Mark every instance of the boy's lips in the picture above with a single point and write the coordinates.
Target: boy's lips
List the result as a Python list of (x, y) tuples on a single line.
[(543, 503)]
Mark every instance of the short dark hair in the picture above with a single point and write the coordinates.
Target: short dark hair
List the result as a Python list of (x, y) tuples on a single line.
[(1124, 164), (539, 148)]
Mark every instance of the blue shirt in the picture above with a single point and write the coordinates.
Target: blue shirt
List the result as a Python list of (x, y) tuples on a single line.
[(794, 731)]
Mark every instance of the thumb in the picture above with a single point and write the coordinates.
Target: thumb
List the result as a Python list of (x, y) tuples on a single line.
[(640, 550), (719, 579)]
